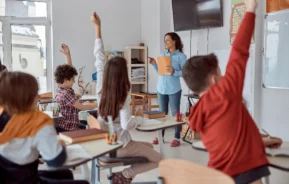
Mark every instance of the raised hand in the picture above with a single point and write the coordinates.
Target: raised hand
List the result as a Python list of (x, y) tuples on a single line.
[(95, 19), (65, 49)]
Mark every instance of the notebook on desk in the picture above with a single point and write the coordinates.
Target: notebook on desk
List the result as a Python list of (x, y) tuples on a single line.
[(282, 151), (82, 135), (150, 122), (153, 114)]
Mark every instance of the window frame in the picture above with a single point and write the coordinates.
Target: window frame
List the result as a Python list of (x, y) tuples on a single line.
[(8, 21)]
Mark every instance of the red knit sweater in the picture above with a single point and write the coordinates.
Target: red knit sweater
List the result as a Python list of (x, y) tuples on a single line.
[(227, 129)]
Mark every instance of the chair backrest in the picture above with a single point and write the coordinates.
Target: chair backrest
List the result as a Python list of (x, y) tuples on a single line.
[(14, 173), (185, 172)]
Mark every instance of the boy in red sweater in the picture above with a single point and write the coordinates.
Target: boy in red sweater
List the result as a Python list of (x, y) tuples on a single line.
[(227, 129)]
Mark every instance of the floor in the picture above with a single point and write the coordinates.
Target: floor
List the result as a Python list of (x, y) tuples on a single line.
[(184, 152)]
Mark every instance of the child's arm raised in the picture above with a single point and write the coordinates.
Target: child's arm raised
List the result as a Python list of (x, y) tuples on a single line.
[(233, 80), (98, 53), (66, 51)]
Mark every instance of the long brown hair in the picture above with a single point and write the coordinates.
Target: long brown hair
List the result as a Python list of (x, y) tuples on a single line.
[(115, 87), (18, 91)]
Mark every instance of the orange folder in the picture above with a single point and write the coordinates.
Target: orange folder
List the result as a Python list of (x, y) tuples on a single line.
[(163, 63), (276, 5)]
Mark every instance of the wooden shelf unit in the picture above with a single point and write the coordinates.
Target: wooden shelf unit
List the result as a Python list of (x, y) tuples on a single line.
[(141, 53)]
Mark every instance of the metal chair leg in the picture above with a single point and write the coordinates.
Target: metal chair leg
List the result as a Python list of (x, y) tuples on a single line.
[(266, 180), (109, 175)]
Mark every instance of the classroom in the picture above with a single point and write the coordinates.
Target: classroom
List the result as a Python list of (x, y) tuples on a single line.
[(144, 91)]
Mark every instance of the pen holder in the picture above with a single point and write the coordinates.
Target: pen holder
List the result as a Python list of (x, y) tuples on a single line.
[(111, 139), (179, 117)]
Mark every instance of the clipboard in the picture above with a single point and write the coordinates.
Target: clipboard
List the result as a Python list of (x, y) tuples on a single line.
[(163, 63)]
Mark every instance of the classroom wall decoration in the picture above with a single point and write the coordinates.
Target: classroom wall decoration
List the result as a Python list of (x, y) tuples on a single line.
[(276, 5), (238, 12)]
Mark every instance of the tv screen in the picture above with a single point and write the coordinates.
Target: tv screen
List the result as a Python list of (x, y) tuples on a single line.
[(197, 14)]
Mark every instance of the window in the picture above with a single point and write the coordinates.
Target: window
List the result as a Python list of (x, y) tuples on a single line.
[(26, 41)]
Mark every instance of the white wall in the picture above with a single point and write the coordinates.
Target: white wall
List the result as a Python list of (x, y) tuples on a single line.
[(154, 40), (71, 24), (275, 108), (150, 35), (202, 42)]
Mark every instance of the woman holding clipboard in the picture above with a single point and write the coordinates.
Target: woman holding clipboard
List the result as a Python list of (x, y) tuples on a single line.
[(169, 67)]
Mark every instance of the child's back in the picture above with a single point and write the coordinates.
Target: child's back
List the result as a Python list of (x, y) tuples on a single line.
[(227, 129), (228, 132)]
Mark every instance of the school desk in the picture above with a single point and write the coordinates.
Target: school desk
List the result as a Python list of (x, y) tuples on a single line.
[(277, 162), (167, 122), (191, 100), (95, 149)]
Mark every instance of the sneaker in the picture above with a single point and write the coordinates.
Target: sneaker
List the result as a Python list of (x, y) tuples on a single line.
[(118, 178), (156, 141), (175, 143)]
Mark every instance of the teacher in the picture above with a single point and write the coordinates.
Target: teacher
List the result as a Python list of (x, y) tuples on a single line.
[(169, 86)]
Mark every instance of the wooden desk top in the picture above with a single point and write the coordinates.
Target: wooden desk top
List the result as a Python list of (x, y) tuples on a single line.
[(192, 96), (88, 98), (97, 148), (50, 114), (278, 162), (168, 122), (92, 150)]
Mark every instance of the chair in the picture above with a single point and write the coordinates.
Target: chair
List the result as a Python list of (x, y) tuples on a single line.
[(110, 162), (138, 99), (185, 172), (150, 97), (15, 173), (142, 99)]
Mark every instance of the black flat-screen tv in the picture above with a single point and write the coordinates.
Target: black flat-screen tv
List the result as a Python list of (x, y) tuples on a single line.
[(197, 14)]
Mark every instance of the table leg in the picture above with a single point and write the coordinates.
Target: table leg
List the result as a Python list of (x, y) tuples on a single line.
[(93, 168), (160, 138), (266, 180), (85, 171)]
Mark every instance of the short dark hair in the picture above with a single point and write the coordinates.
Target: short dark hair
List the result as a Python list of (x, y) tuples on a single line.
[(174, 36), (18, 91), (197, 69), (64, 72)]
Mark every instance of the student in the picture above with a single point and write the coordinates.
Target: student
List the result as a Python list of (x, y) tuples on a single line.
[(65, 96), (28, 134), (228, 131), (169, 86), (115, 101), (4, 118)]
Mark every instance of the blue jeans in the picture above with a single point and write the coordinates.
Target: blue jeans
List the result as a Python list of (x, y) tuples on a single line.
[(174, 101)]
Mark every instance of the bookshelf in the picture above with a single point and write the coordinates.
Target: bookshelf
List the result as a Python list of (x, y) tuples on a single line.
[(137, 63)]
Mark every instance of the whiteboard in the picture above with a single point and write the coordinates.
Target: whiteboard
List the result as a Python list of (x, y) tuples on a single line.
[(276, 50)]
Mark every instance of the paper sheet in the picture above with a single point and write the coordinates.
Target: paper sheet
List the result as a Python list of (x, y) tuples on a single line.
[(150, 122), (75, 155)]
